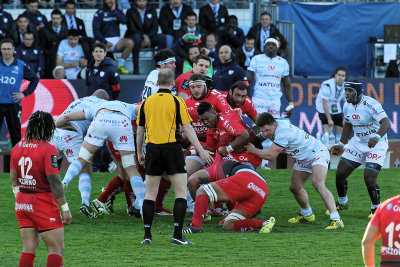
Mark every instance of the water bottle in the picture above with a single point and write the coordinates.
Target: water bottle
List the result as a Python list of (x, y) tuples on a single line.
[(331, 140), (318, 136), (325, 139)]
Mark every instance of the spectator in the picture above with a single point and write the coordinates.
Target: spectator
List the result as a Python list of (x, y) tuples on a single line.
[(213, 15), (172, 17), (194, 52), (229, 71), (192, 27), (10, 95), (6, 21), (393, 69), (106, 30), (231, 34), (283, 49), (70, 57), (30, 52), (142, 29), (102, 73), (50, 37), (18, 28), (263, 30), (245, 53), (211, 48), (34, 16)]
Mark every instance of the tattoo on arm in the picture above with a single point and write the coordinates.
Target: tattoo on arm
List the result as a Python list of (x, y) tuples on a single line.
[(56, 185)]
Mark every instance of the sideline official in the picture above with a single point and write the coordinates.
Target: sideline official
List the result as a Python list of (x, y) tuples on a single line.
[(161, 115), (12, 72)]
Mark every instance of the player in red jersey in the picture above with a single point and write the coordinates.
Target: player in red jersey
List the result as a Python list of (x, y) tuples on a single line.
[(201, 65), (38, 189), (386, 224), (243, 187), (238, 100), (227, 134)]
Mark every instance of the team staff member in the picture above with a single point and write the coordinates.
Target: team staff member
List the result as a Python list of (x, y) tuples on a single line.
[(12, 72), (386, 224), (161, 115), (38, 189), (102, 73)]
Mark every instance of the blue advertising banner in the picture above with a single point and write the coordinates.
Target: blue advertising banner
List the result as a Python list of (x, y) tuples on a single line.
[(331, 35)]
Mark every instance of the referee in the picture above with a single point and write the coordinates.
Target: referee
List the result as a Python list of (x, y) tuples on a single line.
[(161, 115), (12, 72)]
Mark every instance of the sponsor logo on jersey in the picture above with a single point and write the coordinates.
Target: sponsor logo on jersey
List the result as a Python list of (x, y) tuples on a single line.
[(123, 139), (364, 134), (271, 67), (24, 207), (69, 152), (354, 153), (125, 123), (256, 189), (373, 156), (67, 138), (30, 145), (355, 117)]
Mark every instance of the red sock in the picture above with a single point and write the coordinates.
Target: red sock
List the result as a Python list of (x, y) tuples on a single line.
[(54, 260), (113, 187), (26, 259), (162, 193), (247, 225), (128, 192), (200, 210)]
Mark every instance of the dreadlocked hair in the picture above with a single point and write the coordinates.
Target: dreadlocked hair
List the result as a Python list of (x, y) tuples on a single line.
[(41, 127)]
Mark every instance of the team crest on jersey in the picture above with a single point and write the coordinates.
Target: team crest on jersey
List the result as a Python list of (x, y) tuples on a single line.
[(102, 73), (230, 72), (54, 161)]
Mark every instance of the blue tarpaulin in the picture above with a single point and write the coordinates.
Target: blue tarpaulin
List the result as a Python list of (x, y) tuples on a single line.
[(329, 35)]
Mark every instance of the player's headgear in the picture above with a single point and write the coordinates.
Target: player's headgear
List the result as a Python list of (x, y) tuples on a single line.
[(272, 40), (199, 78), (40, 127), (356, 86)]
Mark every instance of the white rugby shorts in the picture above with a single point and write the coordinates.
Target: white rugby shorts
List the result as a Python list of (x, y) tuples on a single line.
[(320, 158), (271, 106), (114, 41), (360, 152), (68, 143)]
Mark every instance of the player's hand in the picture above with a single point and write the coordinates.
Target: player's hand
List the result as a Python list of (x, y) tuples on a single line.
[(336, 150), (330, 123), (372, 142), (239, 111), (141, 159), (146, 42), (289, 111), (67, 217), (206, 156), (74, 64), (222, 150), (250, 148), (204, 51), (18, 96)]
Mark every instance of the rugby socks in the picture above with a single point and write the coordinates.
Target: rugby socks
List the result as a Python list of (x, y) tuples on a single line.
[(163, 190), (306, 212), (179, 215), (334, 216), (343, 200), (247, 225), (148, 215), (26, 259), (341, 187), (375, 195), (128, 192), (73, 170), (120, 62), (114, 187), (139, 188), (200, 210), (190, 202), (54, 260), (85, 187), (338, 136)]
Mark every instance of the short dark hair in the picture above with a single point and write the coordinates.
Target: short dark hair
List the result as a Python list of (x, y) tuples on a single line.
[(265, 118), (249, 37), (191, 14), (163, 54), (29, 32), (338, 68), (6, 40), (195, 77), (239, 85), (99, 45), (265, 13), (73, 32), (22, 16), (202, 56), (69, 2), (32, 1), (211, 33), (56, 12), (204, 107)]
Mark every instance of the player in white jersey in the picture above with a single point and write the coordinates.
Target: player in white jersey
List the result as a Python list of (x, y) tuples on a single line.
[(312, 159), (366, 119), (69, 138), (164, 58), (329, 102), (268, 70), (111, 121)]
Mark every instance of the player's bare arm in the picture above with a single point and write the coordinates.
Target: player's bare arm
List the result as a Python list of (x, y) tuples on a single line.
[(338, 149), (73, 116), (250, 77), (269, 154), (240, 141), (287, 89), (139, 144), (383, 129), (191, 135), (58, 192)]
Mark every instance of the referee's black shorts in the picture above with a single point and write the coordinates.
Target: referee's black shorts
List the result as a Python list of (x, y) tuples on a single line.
[(162, 158), (337, 119)]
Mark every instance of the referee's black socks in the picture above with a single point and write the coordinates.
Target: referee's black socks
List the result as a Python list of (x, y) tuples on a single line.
[(148, 215), (179, 216)]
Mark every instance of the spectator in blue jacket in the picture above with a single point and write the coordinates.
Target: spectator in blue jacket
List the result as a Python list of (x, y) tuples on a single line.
[(31, 54), (5, 21), (101, 74), (35, 17), (228, 72), (12, 72), (105, 26)]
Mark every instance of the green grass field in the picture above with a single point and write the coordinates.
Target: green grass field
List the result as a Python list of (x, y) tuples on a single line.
[(115, 240)]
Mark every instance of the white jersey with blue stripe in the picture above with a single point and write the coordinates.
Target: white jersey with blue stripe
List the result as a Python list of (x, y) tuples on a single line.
[(82, 104), (365, 118), (296, 142), (268, 73), (126, 109)]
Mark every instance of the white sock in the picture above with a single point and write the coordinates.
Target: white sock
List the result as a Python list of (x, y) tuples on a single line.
[(85, 187), (306, 212)]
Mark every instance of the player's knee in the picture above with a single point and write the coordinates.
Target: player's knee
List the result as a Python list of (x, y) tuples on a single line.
[(294, 189), (210, 192), (193, 183), (85, 155), (318, 185), (128, 161), (228, 225)]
